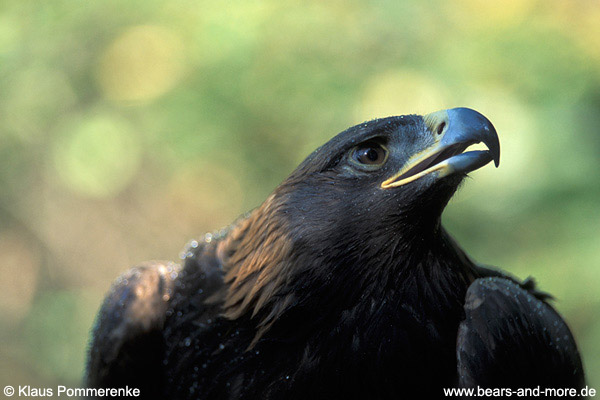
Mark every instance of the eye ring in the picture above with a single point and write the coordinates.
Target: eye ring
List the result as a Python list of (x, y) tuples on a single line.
[(369, 155)]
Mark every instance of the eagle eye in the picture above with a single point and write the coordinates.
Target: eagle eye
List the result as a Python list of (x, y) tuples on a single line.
[(370, 155)]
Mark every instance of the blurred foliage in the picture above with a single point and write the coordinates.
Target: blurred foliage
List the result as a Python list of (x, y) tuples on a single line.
[(127, 128)]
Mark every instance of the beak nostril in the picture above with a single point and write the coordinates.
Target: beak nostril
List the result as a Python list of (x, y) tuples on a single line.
[(440, 128)]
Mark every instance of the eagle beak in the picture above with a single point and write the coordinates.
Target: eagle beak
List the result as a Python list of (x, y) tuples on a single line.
[(454, 130)]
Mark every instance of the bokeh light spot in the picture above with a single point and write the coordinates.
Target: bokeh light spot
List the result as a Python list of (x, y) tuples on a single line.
[(97, 157), (400, 92), (10, 34), (484, 12), (141, 64)]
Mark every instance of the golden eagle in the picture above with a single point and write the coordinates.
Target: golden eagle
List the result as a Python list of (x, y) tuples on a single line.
[(342, 284)]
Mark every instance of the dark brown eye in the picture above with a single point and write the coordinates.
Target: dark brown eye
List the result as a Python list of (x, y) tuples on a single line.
[(371, 154)]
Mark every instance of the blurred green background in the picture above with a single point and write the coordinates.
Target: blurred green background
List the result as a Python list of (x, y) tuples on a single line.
[(129, 127)]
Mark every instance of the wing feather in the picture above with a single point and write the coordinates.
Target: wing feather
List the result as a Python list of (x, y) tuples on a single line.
[(512, 339), (127, 344)]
